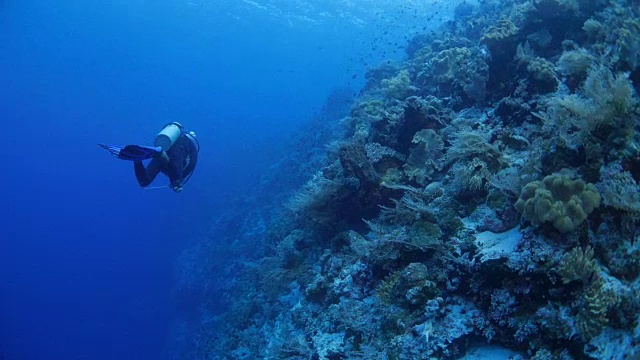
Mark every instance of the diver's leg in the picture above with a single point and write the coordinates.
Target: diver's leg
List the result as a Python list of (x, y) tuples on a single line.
[(145, 176)]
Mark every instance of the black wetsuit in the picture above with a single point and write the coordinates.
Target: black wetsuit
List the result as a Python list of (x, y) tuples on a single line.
[(183, 157)]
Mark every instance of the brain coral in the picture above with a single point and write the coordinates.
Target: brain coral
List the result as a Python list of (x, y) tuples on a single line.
[(559, 200)]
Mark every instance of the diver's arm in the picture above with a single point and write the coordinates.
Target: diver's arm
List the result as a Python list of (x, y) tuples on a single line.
[(145, 176), (176, 172)]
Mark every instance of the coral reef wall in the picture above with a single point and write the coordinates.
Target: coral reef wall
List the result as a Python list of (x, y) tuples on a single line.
[(485, 192), (207, 270)]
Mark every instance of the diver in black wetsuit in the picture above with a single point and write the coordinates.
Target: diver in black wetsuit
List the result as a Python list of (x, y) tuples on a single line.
[(178, 162)]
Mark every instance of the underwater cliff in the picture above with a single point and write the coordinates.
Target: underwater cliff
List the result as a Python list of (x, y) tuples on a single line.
[(478, 198)]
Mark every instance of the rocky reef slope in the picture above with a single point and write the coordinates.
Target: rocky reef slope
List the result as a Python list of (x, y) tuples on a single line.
[(486, 192)]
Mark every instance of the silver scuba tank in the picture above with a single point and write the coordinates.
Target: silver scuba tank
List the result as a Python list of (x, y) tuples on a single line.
[(168, 136)]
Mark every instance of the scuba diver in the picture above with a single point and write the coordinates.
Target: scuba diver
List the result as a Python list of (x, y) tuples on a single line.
[(175, 154)]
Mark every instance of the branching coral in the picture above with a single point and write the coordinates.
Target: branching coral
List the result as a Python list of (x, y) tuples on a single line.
[(389, 244), (619, 248), (430, 204), (578, 264), (376, 152), (575, 62), (559, 200), (468, 145), (471, 176), (592, 316), (474, 159), (316, 194), (604, 109), (612, 94), (619, 189)]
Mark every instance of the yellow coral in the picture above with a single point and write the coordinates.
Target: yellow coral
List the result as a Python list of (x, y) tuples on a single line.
[(495, 34), (447, 63), (575, 62), (399, 86), (597, 300), (559, 200), (541, 69), (578, 265)]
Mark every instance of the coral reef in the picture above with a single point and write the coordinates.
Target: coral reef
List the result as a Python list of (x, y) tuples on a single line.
[(482, 196)]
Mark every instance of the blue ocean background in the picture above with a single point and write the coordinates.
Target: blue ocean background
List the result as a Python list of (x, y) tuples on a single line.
[(87, 257)]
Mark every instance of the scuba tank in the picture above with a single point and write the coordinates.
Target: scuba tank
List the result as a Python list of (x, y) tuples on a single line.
[(168, 136)]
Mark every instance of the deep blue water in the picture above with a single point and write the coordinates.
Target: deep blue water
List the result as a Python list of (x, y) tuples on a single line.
[(86, 256)]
